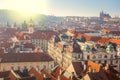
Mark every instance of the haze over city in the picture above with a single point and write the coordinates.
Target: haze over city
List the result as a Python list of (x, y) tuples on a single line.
[(63, 7), (59, 40)]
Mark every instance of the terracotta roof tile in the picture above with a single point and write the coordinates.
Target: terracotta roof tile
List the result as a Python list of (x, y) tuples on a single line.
[(92, 38), (4, 74), (48, 75), (25, 57), (57, 71), (36, 73), (103, 40), (75, 67), (29, 45), (116, 41), (94, 66), (43, 34)]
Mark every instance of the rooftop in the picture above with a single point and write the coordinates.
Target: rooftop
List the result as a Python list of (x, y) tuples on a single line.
[(24, 57)]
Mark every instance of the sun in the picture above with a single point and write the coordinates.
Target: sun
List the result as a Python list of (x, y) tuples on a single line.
[(29, 6)]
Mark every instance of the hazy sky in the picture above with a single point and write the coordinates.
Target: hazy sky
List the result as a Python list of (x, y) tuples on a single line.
[(64, 7)]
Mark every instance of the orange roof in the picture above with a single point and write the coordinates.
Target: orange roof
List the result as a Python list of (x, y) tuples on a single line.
[(80, 34), (92, 38), (104, 40), (116, 41), (57, 72), (43, 35), (94, 66), (105, 31), (19, 34), (12, 76), (36, 73), (48, 75)]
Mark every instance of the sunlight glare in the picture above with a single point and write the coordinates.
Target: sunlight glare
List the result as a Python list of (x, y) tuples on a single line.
[(29, 6)]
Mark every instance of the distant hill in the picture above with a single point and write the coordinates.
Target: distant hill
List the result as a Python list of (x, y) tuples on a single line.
[(18, 17), (13, 16)]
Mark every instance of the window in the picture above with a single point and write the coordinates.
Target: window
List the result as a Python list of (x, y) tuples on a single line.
[(88, 56), (111, 62), (111, 56), (99, 56), (51, 66), (12, 68), (94, 57), (25, 67), (30, 67), (18, 67), (105, 61), (44, 66), (105, 56), (99, 62), (37, 67), (116, 61)]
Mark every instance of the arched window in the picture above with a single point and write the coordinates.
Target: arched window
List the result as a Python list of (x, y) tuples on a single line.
[(12, 68), (111, 62), (105, 56), (116, 61), (88, 56), (105, 61), (94, 57), (99, 62)]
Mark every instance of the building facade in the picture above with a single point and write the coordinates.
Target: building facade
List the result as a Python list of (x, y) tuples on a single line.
[(67, 51), (40, 38), (21, 61)]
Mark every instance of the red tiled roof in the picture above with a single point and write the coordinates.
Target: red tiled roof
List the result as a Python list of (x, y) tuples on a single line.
[(6, 44), (92, 38), (4, 74), (106, 31), (25, 57), (104, 40), (48, 75), (88, 38), (94, 66), (116, 41), (57, 72), (43, 35), (64, 78), (19, 34), (75, 67), (12, 76), (111, 74), (98, 76), (115, 32), (79, 35), (36, 73), (29, 45)]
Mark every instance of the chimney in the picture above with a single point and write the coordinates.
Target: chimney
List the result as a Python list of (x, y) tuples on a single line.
[(72, 76), (2, 50)]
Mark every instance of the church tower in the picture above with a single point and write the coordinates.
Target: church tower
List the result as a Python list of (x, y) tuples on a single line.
[(31, 27)]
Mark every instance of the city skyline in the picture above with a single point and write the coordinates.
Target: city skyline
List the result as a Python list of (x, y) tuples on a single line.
[(64, 7)]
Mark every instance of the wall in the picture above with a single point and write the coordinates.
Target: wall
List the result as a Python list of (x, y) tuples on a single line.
[(29, 65)]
